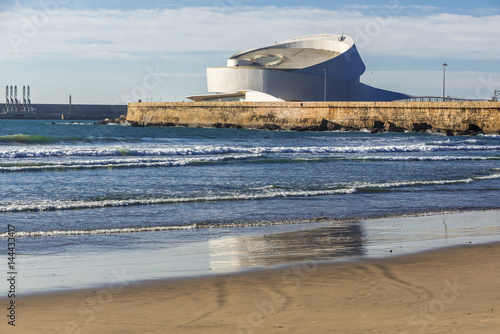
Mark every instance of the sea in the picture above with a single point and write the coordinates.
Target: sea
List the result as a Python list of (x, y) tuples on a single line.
[(88, 200)]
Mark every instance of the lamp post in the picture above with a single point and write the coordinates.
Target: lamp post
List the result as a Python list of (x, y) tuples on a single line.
[(444, 78), (324, 94)]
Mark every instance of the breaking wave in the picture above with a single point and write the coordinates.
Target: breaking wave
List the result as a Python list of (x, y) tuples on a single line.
[(73, 205), (118, 163), (39, 140), (147, 162), (200, 225), (106, 151), (267, 192)]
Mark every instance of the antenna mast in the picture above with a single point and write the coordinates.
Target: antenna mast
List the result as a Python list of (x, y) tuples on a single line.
[(29, 100)]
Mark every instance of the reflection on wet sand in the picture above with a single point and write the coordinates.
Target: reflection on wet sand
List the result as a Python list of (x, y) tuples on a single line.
[(340, 239)]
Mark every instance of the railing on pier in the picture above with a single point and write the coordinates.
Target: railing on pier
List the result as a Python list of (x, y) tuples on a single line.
[(440, 99)]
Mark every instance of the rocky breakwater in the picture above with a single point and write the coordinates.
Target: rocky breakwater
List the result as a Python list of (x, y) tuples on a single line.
[(120, 120), (451, 118)]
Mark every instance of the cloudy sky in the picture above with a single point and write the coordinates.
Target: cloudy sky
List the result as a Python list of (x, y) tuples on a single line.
[(116, 51)]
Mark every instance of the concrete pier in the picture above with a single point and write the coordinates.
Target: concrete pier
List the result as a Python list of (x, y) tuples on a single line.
[(452, 118)]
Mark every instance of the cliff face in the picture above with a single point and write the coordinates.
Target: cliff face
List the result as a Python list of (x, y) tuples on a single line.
[(447, 117)]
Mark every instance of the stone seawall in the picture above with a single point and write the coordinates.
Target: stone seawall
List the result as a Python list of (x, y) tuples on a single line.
[(447, 117)]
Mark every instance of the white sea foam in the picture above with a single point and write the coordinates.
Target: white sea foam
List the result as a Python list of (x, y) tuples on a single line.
[(158, 150), (202, 225), (98, 231), (81, 204), (426, 158), (172, 161), (127, 162), (494, 137), (489, 177), (399, 184)]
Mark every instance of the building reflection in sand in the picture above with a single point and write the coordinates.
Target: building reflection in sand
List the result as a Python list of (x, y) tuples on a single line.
[(338, 240)]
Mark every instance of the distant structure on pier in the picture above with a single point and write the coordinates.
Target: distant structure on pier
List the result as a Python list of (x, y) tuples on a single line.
[(310, 68), (15, 108)]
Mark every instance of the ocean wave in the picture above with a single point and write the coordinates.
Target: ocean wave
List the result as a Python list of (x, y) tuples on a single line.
[(94, 204), (172, 161), (99, 231), (29, 139), (412, 158), (194, 226), (221, 224), (25, 139), (398, 184), (490, 137), (162, 150), (267, 192), (118, 163)]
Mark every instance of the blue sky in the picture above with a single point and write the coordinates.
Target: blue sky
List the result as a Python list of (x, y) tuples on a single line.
[(115, 51)]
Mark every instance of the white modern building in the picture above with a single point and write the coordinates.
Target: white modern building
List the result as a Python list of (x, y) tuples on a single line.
[(309, 68)]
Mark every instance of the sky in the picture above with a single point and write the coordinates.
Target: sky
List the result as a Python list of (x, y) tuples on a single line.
[(119, 51)]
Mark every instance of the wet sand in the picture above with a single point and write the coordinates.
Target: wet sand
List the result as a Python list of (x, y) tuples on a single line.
[(243, 249), (449, 290)]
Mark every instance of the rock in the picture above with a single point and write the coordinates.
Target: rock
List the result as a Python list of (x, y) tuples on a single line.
[(378, 125), (421, 127), (346, 128), (233, 126), (226, 126), (270, 126), (472, 130), (378, 130), (308, 128), (313, 128), (119, 120), (327, 125), (391, 127)]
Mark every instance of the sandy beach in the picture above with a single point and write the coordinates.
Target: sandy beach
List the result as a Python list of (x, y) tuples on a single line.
[(450, 290)]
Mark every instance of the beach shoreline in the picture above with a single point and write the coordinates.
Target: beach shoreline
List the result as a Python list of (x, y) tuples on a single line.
[(289, 283), (443, 289), (249, 249)]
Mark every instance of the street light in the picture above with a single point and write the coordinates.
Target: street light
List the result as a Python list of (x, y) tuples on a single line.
[(324, 94), (444, 77)]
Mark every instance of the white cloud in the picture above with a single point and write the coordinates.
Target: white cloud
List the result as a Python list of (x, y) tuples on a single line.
[(182, 75), (394, 5), (115, 33)]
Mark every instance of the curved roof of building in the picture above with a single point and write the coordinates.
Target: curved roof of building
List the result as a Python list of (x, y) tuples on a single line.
[(294, 54), (286, 59)]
